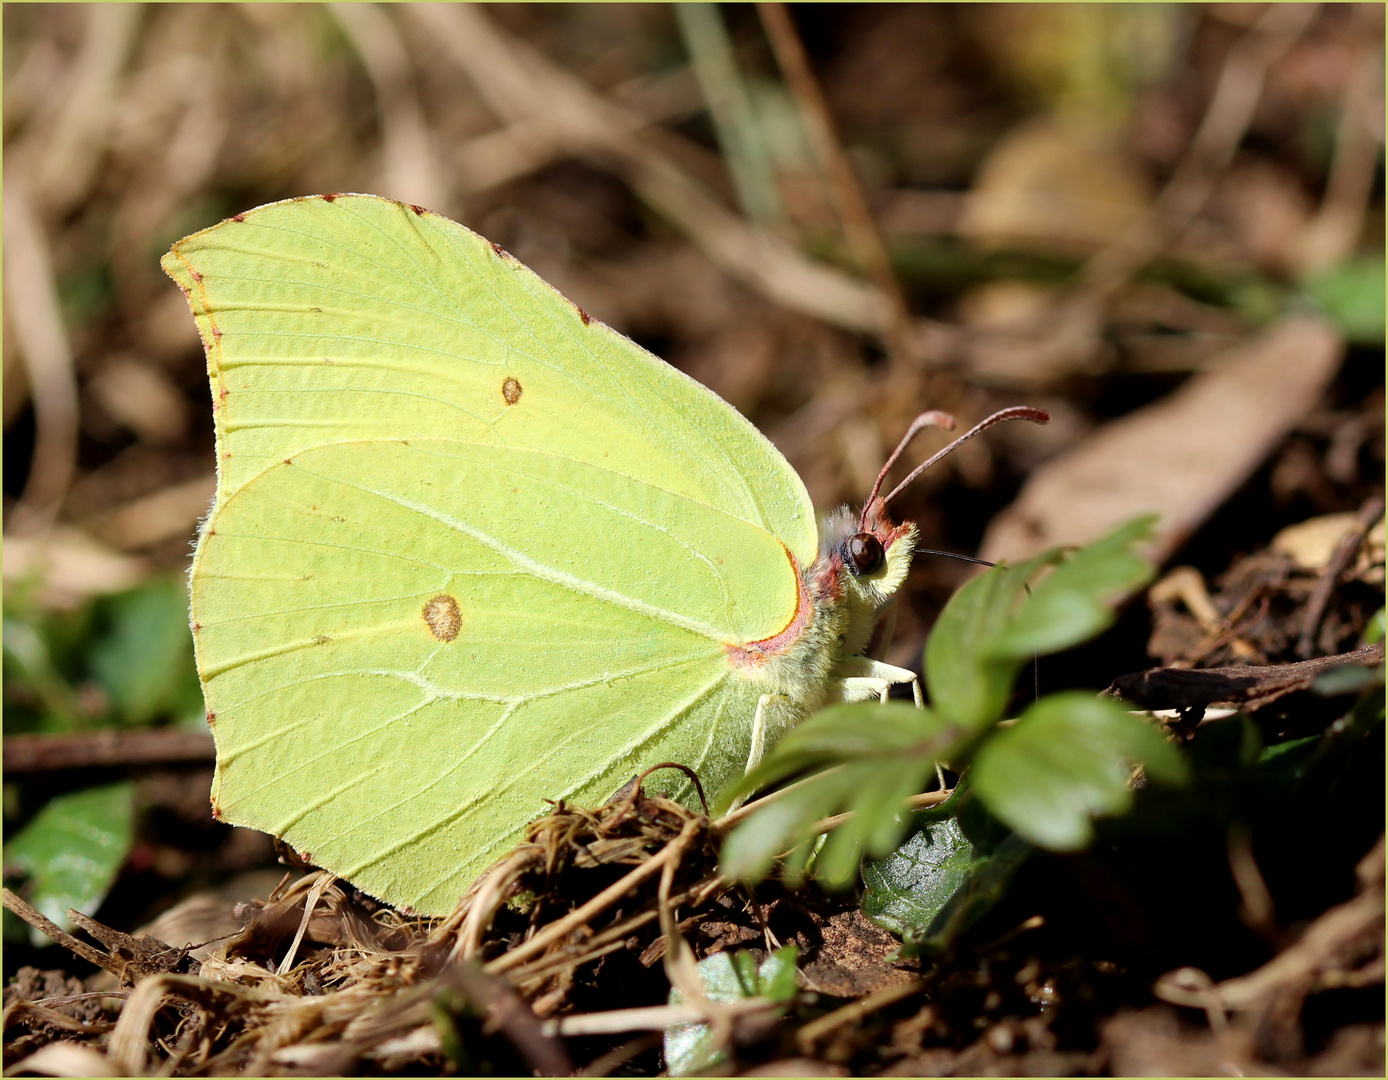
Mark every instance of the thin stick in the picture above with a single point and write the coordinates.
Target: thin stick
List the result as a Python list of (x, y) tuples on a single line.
[(646, 1018), (616, 933), (805, 1038), (1369, 515), (42, 922), (110, 748), (31, 290), (861, 231), (556, 930), (915, 802)]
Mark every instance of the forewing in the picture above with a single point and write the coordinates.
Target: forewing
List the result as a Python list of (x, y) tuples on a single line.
[(347, 317)]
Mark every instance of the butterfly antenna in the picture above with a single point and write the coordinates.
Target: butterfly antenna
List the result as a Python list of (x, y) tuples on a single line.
[(1017, 412), (952, 555), (930, 418)]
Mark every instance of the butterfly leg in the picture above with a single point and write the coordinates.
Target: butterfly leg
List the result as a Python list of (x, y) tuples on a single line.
[(861, 678), (758, 747)]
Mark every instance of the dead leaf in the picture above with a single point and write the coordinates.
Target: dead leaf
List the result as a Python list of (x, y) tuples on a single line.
[(1180, 457)]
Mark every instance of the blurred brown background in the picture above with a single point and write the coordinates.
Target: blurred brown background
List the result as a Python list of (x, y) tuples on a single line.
[(1162, 222), (835, 217)]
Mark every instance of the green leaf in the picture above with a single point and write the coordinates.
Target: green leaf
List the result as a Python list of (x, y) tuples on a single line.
[(990, 628), (727, 977), (967, 679), (72, 850), (1076, 600), (1065, 762), (1374, 631), (1283, 767), (939, 883), (1351, 294), (880, 754), (29, 661), (145, 657)]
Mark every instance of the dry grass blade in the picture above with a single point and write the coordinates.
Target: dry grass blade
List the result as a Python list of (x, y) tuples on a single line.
[(581, 916), (654, 1018), (32, 295), (1335, 230), (749, 161), (409, 170), (519, 84), (61, 158), (311, 901), (864, 238), (64, 1059), (812, 1032)]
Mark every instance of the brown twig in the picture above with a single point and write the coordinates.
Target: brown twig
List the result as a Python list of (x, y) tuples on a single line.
[(1245, 685), (808, 1035), (915, 802), (1368, 516), (864, 238), (557, 930), (15, 1011), (520, 84), (32, 296), (504, 1007), (107, 749), (615, 935), (42, 922)]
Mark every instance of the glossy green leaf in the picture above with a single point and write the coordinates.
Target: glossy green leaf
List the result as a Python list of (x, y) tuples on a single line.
[(938, 883), (967, 678), (1066, 761), (992, 627), (727, 977), (72, 850)]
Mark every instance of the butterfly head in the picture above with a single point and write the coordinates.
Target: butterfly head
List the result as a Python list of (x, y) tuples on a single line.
[(864, 558)]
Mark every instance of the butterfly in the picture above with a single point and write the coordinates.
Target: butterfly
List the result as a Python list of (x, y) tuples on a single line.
[(472, 550)]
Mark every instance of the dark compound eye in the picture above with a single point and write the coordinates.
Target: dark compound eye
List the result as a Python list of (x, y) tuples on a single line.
[(862, 553)]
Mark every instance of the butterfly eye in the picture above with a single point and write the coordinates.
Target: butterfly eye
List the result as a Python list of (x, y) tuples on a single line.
[(862, 553)]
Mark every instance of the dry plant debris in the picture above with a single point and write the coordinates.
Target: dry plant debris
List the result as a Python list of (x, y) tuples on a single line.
[(1122, 213)]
